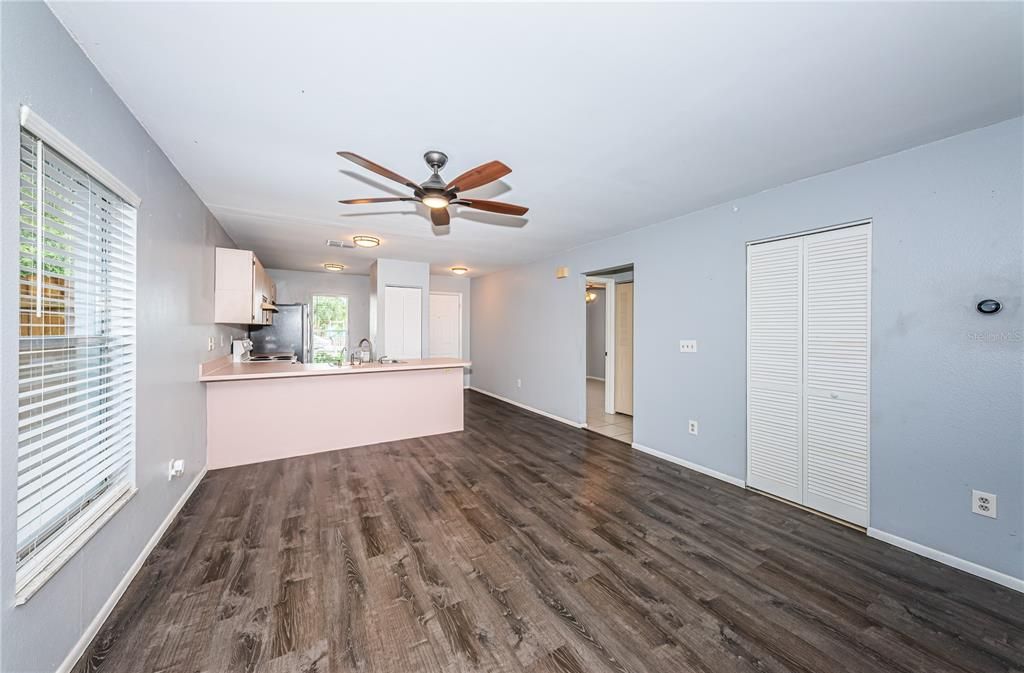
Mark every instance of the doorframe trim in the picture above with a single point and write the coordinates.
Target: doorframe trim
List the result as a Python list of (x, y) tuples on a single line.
[(808, 232), (609, 339)]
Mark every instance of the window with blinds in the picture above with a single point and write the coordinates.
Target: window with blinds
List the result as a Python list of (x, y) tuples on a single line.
[(76, 356)]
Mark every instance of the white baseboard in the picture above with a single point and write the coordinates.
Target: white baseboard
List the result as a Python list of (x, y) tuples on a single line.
[(693, 466), (595, 378), (97, 623), (984, 572), (1003, 579), (523, 406)]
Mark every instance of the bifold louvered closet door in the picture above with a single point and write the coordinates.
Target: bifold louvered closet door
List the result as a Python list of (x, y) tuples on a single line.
[(808, 362)]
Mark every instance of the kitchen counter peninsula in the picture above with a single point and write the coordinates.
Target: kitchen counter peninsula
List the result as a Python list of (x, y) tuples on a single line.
[(270, 410)]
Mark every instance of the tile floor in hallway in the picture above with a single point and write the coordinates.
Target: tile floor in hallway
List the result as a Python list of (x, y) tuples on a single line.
[(617, 426)]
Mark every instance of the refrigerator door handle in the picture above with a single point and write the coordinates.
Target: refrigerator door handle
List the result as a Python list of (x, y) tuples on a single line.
[(307, 333)]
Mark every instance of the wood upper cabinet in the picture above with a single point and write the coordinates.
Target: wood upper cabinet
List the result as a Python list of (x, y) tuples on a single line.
[(241, 288)]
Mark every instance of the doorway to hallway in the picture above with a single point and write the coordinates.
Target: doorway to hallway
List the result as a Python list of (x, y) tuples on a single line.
[(609, 358)]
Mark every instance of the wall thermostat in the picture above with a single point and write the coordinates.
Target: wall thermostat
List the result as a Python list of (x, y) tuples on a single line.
[(989, 306)]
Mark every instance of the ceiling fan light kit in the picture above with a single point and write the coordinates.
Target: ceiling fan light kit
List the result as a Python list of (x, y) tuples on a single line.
[(435, 201), (437, 194)]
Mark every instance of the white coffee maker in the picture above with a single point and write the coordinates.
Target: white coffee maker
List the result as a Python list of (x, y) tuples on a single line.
[(240, 349)]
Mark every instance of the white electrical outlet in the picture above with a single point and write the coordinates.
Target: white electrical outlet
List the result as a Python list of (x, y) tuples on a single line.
[(176, 468), (519, 383), (693, 427), (687, 345), (211, 343), (983, 503)]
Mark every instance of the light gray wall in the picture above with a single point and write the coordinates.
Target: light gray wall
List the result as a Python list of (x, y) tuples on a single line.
[(399, 273), (298, 287), (44, 68), (946, 381), (461, 286), (596, 334)]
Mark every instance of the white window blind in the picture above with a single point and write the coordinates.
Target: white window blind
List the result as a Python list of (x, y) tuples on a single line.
[(76, 369)]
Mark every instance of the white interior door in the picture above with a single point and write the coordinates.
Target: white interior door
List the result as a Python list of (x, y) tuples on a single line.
[(609, 341), (403, 322), (836, 369), (808, 365), (445, 325), (775, 368), (624, 348)]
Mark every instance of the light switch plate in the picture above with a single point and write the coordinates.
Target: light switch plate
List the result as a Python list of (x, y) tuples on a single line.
[(687, 345)]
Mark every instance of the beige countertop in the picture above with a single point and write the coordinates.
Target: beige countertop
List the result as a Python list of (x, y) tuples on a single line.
[(237, 371)]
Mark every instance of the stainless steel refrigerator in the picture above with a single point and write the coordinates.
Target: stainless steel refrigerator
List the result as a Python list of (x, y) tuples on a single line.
[(291, 332)]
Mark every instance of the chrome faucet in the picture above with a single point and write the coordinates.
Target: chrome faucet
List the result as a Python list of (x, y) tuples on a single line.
[(368, 350)]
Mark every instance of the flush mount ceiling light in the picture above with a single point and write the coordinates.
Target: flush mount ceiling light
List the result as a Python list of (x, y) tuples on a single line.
[(459, 270), (366, 241), (332, 266), (437, 194)]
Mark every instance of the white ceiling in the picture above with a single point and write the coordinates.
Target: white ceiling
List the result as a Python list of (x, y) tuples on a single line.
[(611, 116)]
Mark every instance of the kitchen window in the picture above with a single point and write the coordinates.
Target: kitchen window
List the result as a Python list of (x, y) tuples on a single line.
[(76, 351), (330, 328)]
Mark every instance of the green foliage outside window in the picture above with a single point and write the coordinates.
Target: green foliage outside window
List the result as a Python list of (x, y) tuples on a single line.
[(330, 329)]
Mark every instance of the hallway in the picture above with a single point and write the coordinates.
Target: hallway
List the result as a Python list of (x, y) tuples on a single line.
[(616, 426)]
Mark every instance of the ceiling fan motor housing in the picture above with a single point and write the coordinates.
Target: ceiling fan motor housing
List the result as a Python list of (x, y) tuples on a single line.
[(434, 182)]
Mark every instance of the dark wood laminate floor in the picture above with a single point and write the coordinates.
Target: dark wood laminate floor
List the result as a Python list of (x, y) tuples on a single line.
[(524, 545)]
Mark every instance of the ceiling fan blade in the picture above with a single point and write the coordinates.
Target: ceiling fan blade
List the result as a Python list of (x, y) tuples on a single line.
[(378, 169), (440, 217), (388, 199), (492, 206), (479, 176)]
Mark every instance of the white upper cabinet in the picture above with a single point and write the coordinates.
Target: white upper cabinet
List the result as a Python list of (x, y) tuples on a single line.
[(242, 289)]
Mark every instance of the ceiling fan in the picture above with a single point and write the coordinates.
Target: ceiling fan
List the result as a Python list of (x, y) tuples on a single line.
[(435, 193)]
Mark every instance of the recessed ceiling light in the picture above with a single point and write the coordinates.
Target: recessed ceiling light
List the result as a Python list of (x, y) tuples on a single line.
[(366, 241), (331, 266), (459, 270)]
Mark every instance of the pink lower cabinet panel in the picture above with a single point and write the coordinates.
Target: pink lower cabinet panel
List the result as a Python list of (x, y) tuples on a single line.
[(254, 420)]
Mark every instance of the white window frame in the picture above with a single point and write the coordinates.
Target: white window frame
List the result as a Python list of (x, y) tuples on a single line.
[(63, 546), (348, 321)]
